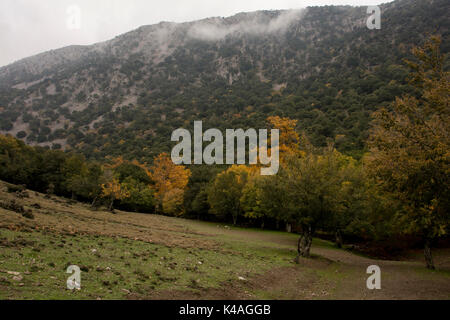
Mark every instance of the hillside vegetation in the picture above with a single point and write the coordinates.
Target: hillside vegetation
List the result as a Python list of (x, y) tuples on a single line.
[(125, 96)]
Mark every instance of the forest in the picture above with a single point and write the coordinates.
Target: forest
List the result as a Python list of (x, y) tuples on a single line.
[(326, 70)]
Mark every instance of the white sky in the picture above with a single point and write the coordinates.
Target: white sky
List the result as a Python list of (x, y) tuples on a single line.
[(28, 27)]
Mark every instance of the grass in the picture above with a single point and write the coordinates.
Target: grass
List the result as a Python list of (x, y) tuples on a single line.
[(132, 256), (112, 267)]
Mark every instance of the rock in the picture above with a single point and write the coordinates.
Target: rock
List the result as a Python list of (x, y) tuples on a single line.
[(17, 278), (4, 280)]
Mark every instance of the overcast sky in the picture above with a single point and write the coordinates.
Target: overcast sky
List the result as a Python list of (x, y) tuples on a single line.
[(28, 27)]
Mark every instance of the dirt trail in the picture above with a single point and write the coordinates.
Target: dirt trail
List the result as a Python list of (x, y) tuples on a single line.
[(331, 274)]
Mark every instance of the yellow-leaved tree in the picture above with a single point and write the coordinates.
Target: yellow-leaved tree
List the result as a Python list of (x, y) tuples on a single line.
[(289, 138), (170, 183), (114, 190)]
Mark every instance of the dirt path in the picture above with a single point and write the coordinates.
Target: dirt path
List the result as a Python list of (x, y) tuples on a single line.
[(399, 279), (331, 274)]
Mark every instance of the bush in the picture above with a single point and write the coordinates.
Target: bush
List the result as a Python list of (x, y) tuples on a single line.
[(12, 188)]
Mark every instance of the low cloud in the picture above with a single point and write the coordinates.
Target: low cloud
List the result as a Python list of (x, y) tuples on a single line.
[(28, 27), (255, 23)]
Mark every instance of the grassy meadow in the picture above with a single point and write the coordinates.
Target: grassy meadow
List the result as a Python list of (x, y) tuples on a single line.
[(138, 256)]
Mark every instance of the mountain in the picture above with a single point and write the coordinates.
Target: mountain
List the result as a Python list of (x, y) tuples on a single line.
[(320, 65)]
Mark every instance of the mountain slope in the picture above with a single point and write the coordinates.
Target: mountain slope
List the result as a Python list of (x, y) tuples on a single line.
[(320, 65)]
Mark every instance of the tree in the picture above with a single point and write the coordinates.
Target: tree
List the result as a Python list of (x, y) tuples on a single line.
[(89, 183), (168, 177), (196, 195), (289, 138), (251, 199), (172, 202), (410, 148), (141, 197), (225, 192), (200, 203), (75, 172), (305, 192), (18, 162), (352, 195), (114, 190)]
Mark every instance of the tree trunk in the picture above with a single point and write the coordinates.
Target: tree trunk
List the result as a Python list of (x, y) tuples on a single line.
[(111, 204), (304, 244), (234, 219), (288, 227), (428, 256), (159, 208), (307, 243), (339, 241), (94, 202), (299, 249)]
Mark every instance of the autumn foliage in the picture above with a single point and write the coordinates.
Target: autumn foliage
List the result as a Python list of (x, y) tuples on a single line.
[(114, 190), (170, 182)]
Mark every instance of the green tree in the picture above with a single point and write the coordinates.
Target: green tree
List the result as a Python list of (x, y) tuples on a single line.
[(200, 204), (75, 172), (251, 200), (410, 148), (141, 199), (351, 196), (305, 193), (225, 192)]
